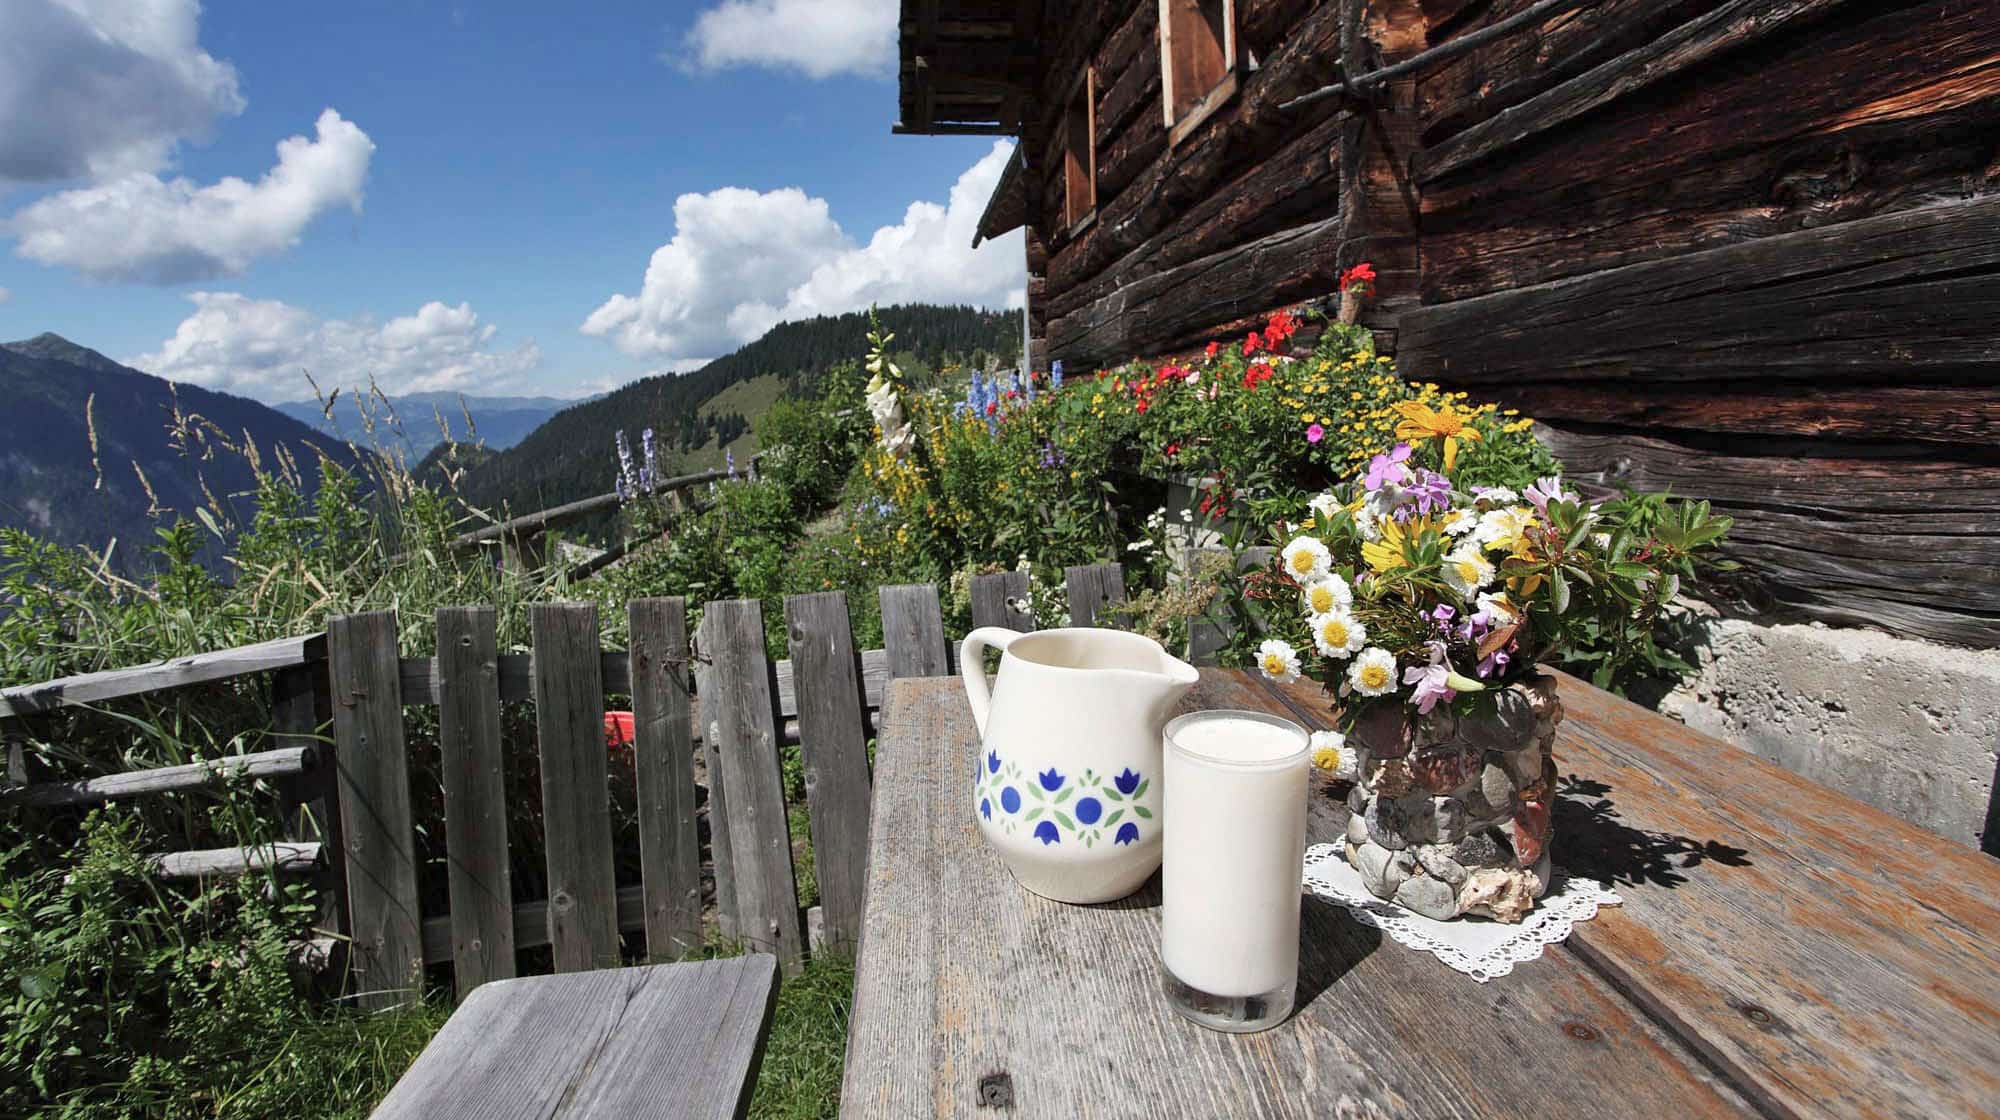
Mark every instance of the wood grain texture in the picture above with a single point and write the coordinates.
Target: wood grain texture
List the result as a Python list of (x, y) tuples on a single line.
[(964, 976), (302, 719), (913, 631), (530, 922), (997, 599), (663, 755), (709, 731), (517, 676), (1832, 959), (680, 1040), (475, 797), (210, 774), (177, 672), (285, 856), (372, 763), (1728, 28), (745, 721), (833, 736), (1092, 588), (576, 810)]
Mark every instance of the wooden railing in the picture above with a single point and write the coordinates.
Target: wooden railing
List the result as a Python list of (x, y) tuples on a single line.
[(352, 821)]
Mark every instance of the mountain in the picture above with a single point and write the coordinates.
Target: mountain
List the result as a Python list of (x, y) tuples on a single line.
[(412, 420), (696, 415), (57, 485)]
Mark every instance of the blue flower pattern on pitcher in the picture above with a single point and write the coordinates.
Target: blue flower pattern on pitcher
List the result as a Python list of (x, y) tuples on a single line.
[(1057, 807)]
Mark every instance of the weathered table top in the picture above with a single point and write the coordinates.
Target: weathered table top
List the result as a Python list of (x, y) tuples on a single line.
[(671, 1040), (1783, 951)]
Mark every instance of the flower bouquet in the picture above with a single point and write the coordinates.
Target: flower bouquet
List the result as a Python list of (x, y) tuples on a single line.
[(1424, 596)]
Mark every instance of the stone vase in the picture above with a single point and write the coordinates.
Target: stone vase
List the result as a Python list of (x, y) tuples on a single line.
[(1450, 815)]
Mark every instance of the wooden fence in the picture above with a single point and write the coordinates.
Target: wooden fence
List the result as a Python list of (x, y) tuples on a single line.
[(338, 705)]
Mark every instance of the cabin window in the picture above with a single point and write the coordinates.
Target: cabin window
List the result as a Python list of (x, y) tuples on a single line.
[(1197, 60), (1080, 153)]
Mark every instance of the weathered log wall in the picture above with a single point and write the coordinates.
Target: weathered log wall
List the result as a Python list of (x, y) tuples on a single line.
[(1241, 217), (1749, 249)]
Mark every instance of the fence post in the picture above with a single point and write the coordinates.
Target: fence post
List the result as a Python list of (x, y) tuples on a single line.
[(576, 808), (302, 704), (663, 759), (913, 631), (721, 858), (1093, 587), (373, 784), (833, 737), (993, 596), (743, 712), (475, 797)]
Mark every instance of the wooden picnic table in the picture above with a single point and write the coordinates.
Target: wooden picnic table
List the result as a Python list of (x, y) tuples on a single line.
[(1782, 951), (678, 1041)]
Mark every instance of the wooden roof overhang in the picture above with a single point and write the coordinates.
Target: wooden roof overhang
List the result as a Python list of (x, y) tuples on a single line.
[(967, 67)]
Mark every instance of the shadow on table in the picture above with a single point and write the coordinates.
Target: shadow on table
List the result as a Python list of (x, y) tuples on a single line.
[(1592, 841), (1331, 943)]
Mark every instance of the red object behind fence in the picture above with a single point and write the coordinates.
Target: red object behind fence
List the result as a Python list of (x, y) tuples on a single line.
[(618, 729)]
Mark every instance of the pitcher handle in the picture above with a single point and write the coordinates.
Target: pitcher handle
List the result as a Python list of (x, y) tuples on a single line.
[(972, 668)]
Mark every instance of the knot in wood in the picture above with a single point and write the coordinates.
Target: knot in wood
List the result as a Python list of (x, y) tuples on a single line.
[(1582, 1032), (561, 901), (996, 1090)]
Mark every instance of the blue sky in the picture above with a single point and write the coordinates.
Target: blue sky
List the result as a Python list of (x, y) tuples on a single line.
[(514, 170)]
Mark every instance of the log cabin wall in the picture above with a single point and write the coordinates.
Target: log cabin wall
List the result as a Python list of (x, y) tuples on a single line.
[(1203, 231), (1750, 251)]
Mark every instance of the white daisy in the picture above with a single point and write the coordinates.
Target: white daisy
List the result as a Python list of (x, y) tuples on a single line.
[(1459, 522), (1498, 495), (1278, 660), (1368, 523), (1306, 560), (1466, 570), (1330, 753), (1323, 595), (1338, 634), (1373, 672), (1324, 507)]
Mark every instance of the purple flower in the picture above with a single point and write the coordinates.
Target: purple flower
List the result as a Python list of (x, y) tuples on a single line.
[(1315, 433), (1387, 469), (1430, 680), (1443, 614), (1494, 663), (1432, 493), (1544, 491)]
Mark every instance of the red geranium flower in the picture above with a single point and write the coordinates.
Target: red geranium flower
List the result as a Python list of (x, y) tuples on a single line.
[(1252, 344), (1361, 277), (1212, 348), (1280, 328)]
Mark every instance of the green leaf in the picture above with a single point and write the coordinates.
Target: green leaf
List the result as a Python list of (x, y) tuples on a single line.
[(1113, 817), (1558, 591), (1064, 795), (1142, 811), (1062, 819), (1141, 791), (1033, 813)]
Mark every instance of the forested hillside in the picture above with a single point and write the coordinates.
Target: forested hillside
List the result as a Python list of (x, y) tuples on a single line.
[(571, 455), (86, 439)]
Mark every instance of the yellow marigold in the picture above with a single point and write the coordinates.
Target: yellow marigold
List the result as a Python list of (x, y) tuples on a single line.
[(1421, 422)]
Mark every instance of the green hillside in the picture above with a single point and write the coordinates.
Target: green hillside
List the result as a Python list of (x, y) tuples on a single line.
[(696, 416)]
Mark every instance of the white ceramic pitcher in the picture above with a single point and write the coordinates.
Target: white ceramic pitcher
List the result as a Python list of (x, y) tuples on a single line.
[(1068, 788)]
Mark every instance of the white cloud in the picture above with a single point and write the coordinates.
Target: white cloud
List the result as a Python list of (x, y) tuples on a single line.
[(742, 261), (263, 348), (141, 227), (99, 88), (5, 295), (820, 38)]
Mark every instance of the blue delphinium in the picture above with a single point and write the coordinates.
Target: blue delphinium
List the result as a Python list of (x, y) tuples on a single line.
[(649, 476), (729, 460), (1055, 375)]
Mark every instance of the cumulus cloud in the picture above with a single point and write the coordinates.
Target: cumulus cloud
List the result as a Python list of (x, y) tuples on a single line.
[(741, 261), (101, 88), (264, 348), (168, 231), (819, 38)]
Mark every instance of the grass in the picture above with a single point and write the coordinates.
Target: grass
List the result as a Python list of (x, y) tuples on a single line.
[(335, 1066), (800, 1078)]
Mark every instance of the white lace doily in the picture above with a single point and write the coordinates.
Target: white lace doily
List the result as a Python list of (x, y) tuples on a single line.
[(1479, 948)]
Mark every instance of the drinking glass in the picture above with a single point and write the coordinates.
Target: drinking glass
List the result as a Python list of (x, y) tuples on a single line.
[(1233, 822)]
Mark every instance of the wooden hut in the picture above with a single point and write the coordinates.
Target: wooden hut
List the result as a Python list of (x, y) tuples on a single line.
[(1745, 249)]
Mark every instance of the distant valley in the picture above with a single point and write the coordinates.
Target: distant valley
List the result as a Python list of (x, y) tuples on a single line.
[(414, 423)]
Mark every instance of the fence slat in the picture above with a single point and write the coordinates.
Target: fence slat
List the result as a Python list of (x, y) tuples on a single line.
[(913, 631), (475, 797), (991, 595), (663, 756), (284, 856), (1092, 588), (373, 770), (833, 735), (576, 809), (721, 858), (285, 762), (743, 712)]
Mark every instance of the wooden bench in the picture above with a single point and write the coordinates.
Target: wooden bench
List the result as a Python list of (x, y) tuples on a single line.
[(674, 1040), (1783, 951)]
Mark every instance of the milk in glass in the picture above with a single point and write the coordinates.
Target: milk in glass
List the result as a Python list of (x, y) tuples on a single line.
[(1233, 819)]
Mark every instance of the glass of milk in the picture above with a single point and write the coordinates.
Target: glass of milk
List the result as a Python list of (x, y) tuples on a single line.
[(1233, 822)]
